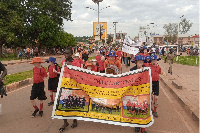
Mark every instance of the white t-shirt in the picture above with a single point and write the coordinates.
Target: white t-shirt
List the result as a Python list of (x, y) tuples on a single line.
[(153, 49)]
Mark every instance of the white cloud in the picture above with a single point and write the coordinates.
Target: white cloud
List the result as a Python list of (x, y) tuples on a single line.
[(130, 14)]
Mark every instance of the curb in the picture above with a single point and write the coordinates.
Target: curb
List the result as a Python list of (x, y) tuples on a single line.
[(182, 101), (17, 85)]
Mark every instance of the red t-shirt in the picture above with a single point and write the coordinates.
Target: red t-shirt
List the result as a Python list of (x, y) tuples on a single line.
[(77, 62), (39, 74), (51, 73), (94, 68), (119, 54), (98, 58), (101, 65), (155, 71)]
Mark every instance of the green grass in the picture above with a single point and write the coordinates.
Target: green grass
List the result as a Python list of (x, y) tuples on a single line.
[(18, 77), (9, 57), (186, 60)]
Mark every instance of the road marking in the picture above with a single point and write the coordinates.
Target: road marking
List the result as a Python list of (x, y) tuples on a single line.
[(180, 115)]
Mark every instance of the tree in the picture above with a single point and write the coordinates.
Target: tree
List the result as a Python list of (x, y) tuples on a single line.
[(11, 23), (171, 30), (184, 26), (44, 20)]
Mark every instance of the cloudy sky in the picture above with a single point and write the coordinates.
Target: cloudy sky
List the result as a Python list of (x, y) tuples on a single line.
[(130, 14)]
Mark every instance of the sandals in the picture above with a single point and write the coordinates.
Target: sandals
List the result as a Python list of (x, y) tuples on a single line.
[(63, 128), (51, 103), (74, 123)]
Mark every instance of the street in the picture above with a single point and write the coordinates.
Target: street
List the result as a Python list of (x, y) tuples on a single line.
[(17, 110)]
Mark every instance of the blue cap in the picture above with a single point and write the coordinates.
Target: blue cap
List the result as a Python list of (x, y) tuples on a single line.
[(52, 59), (101, 51), (139, 57), (154, 57), (148, 57), (144, 47), (111, 53)]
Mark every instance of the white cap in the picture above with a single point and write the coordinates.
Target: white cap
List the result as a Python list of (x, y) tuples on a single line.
[(94, 60), (77, 54)]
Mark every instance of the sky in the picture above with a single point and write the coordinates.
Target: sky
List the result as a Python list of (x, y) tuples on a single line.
[(131, 14)]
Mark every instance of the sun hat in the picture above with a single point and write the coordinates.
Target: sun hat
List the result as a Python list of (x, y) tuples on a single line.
[(36, 60), (52, 59)]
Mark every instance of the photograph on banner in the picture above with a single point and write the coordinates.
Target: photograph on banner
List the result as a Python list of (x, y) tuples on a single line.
[(122, 99), (73, 100)]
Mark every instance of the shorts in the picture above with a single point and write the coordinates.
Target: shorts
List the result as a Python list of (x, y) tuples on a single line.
[(155, 88), (53, 84), (38, 91)]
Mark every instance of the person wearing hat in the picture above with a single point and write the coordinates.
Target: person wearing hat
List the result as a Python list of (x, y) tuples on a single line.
[(139, 61), (37, 91), (112, 61), (95, 65), (88, 66), (77, 61), (155, 71), (53, 71)]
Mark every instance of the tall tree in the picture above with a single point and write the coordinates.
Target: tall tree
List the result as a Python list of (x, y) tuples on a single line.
[(11, 23), (184, 26), (171, 31)]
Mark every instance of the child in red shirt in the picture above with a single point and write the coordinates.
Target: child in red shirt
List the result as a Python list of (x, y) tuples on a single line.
[(101, 65), (98, 57), (94, 67), (77, 61), (53, 71), (155, 71), (37, 91)]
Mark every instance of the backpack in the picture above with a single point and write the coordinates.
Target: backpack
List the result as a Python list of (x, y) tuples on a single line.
[(58, 75)]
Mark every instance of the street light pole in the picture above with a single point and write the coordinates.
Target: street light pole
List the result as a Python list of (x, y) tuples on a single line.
[(98, 12), (115, 30)]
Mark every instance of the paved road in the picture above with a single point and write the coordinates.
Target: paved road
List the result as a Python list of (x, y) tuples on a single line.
[(16, 68), (17, 111)]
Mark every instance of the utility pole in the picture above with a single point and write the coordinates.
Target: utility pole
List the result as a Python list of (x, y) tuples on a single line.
[(115, 30)]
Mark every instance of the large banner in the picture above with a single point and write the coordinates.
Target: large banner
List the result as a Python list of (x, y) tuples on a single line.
[(122, 99)]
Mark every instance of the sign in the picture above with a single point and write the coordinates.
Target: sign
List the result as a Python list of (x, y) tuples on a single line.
[(122, 99), (103, 29)]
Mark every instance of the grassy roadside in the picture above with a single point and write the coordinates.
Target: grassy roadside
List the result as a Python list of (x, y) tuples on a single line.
[(9, 57), (18, 77), (186, 60)]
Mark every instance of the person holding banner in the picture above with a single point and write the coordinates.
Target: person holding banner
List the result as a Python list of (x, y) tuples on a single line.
[(68, 60), (139, 61), (112, 61)]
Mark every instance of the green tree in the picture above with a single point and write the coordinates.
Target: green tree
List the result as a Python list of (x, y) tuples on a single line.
[(11, 23), (171, 31), (184, 26)]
